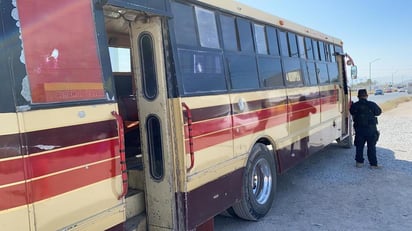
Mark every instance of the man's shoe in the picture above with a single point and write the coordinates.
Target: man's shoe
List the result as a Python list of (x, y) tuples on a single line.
[(375, 167), (359, 165)]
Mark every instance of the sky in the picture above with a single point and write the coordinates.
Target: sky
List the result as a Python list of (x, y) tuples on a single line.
[(375, 33)]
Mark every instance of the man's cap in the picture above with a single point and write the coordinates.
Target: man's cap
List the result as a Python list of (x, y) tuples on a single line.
[(362, 93)]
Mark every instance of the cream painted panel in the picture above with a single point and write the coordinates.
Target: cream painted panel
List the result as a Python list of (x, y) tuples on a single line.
[(8, 123), (14, 219), (208, 158), (60, 117), (220, 169), (75, 206)]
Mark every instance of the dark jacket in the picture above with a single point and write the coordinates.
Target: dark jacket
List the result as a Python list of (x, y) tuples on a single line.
[(364, 114)]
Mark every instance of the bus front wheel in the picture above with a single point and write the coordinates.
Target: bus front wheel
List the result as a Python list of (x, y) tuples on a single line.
[(259, 184)]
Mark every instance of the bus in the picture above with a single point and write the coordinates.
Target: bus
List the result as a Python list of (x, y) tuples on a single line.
[(158, 114)]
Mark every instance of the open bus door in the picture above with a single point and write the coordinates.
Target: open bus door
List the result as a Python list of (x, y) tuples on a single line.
[(346, 138), (149, 71)]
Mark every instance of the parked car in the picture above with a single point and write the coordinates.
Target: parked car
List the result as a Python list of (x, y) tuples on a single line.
[(378, 92)]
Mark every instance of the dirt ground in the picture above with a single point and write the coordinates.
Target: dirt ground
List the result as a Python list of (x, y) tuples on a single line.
[(327, 192)]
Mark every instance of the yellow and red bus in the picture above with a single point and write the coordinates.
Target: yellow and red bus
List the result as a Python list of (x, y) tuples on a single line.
[(160, 113)]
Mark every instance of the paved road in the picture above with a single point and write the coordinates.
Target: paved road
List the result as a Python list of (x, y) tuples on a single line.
[(382, 98), (326, 192)]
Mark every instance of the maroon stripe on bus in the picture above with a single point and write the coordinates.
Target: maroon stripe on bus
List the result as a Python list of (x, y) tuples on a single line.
[(207, 113), (314, 98), (9, 146), (207, 201), (71, 135)]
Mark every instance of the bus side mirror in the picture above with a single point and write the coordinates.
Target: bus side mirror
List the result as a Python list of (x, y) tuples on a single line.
[(354, 72)]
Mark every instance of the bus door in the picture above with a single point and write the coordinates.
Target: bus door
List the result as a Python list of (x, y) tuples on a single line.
[(149, 72), (344, 96)]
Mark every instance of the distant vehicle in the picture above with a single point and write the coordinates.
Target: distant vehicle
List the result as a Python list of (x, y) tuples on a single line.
[(388, 90), (409, 90), (402, 89), (378, 92)]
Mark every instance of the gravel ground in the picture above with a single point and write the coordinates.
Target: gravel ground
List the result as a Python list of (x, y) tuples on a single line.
[(327, 192)]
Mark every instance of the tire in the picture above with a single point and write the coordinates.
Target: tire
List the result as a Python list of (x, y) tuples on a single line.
[(259, 185)]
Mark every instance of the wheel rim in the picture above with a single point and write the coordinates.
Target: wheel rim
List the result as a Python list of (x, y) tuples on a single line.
[(261, 181)]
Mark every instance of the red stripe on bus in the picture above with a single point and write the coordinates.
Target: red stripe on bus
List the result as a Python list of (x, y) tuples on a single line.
[(67, 181), (12, 196), (209, 126), (202, 142), (72, 157), (249, 123), (11, 171), (45, 188)]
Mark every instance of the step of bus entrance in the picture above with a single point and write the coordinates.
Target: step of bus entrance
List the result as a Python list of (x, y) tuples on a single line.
[(136, 223), (135, 203), (135, 178), (135, 162)]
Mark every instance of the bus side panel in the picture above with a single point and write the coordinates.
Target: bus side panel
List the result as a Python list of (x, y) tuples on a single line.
[(75, 166), (203, 203)]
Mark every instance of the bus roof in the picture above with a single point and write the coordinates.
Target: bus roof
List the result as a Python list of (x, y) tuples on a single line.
[(250, 12)]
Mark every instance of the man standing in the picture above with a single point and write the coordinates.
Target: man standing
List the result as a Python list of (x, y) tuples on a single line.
[(364, 114)]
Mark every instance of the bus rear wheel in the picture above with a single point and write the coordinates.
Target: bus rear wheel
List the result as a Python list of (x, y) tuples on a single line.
[(259, 185)]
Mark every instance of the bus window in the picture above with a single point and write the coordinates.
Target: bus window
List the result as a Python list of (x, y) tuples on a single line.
[(309, 49), (332, 53), (206, 25), (120, 59), (313, 79), (333, 72), (322, 73), (245, 35), (293, 45), (272, 40), (301, 45), (185, 27), (283, 43), (148, 65), (243, 72), (229, 33), (292, 72), (322, 51), (260, 39), (56, 71), (202, 71), (270, 72), (315, 50)]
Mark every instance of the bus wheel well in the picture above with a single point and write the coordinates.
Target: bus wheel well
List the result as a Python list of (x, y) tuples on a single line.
[(269, 144)]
